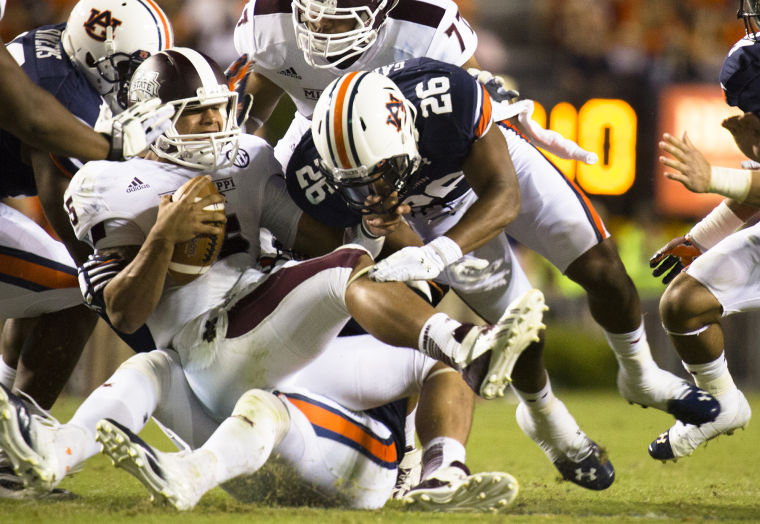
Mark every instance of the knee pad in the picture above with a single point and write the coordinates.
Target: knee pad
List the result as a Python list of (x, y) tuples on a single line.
[(158, 365), (258, 405)]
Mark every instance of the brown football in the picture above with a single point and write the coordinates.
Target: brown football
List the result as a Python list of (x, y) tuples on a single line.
[(193, 258)]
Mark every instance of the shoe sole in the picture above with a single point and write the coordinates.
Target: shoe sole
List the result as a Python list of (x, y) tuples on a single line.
[(482, 492), (519, 327), (135, 460), (27, 463), (728, 433)]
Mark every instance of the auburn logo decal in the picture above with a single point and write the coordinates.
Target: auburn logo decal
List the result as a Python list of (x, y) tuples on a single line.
[(396, 110), (98, 22)]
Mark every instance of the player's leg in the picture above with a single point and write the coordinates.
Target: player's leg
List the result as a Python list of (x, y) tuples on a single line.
[(484, 354), (557, 221), (239, 446), (43, 451), (541, 415), (15, 331), (720, 282), (51, 351), (443, 424), (39, 280)]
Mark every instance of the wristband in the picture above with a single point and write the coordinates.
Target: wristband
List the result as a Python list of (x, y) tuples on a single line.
[(733, 183), (717, 225), (447, 249)]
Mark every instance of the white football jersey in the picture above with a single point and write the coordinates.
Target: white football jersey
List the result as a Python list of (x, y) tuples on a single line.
[(414, 28), (113, 204)]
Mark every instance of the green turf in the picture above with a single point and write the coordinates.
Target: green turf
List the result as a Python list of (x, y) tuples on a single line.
[(719, 482)]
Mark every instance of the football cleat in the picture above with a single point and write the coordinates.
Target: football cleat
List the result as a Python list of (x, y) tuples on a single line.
[(28, 439), (167, 476), (454, 489), (663, 390), (12, 486), (409, 471), (491, 351), (579, 459), (682, 439)]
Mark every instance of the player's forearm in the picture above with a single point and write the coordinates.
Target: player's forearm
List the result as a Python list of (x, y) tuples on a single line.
[(132, 296), (743, 210), (37, 118), (486, 219)]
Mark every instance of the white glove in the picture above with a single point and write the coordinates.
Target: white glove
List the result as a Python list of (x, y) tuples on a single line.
[(417, 263), (494, 85), (132, 131), (546, 138)]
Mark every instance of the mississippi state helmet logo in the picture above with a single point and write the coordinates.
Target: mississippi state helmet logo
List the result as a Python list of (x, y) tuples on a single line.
[(99, 21), (395, 112)]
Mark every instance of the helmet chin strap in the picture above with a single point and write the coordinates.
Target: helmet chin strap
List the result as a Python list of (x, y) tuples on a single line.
[(109, 43)]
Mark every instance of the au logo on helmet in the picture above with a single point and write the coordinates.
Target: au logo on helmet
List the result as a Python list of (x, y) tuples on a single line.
[(98, 22), (396, 112)]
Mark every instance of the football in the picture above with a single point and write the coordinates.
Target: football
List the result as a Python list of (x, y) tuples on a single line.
[(193, 258)]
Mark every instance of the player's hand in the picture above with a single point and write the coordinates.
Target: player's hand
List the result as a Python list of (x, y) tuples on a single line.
[(692, 170), (132, 131), (746, 132), (494, 85), (383, 224), (417, 263), (673, 258), (189, 216), (237, 77)]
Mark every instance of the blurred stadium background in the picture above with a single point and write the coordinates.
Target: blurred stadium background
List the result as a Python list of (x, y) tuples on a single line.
[(611, 74)]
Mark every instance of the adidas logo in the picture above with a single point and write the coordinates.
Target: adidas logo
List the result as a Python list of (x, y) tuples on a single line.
[(290, 72), (136, 185)]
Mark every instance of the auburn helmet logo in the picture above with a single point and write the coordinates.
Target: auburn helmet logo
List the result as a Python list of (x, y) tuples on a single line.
[(96, 25), (395, 112)]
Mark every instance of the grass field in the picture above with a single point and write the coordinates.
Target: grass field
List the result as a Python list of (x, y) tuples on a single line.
[(719, 482)]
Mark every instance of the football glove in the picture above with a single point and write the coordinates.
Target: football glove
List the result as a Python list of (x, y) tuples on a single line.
[(673, 258), (237, 76), (417, 263), (494, 85), (132, 131), (95, 274)]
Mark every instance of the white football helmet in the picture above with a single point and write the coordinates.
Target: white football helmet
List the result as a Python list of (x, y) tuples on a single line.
[(363, 129), (322, 47), (108, 39), (2, 8), (189, 80)]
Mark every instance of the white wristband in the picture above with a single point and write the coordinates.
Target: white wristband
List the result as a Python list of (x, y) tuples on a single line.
[(447, 249), (733, 183), (717, 225), (359, 235)]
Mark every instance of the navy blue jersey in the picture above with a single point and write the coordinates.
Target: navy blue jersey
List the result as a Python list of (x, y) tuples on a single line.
[(453, 111), (48, 66)]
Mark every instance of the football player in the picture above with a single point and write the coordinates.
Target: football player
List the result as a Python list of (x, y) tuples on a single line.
[(424, 137), (711, 270), (236, 326), (300, 47), (85, 63), (36, 117)]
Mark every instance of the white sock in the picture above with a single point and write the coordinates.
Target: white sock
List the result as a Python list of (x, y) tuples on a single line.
[(7, 374), (108, 401), (240, 447), (631, 350), (538, 401), (713, 377), (438, 338), (410, 429), (440, 452)]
